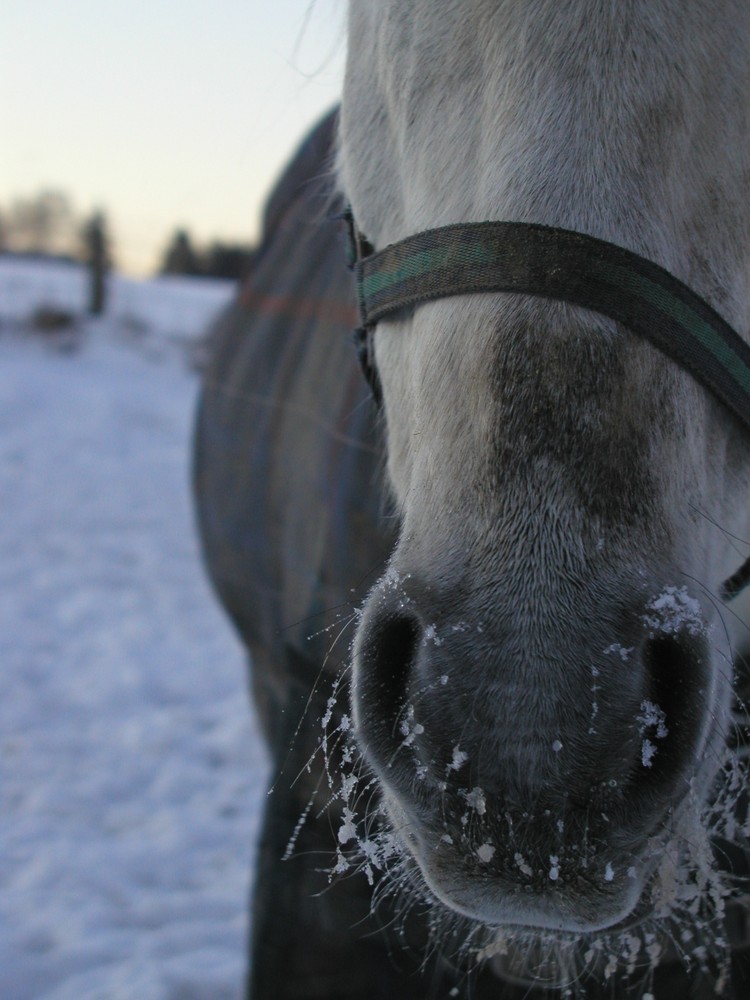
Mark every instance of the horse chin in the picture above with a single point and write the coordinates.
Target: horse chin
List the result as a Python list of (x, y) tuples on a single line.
[(498, 906), (498, 899)]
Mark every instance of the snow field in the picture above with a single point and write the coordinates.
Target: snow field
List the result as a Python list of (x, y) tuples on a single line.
[(131, 773)]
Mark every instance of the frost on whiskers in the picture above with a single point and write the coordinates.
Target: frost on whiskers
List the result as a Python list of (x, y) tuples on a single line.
[(364, 842), (683, 906)]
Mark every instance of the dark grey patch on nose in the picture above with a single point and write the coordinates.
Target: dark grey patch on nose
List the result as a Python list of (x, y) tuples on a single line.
[(567, 397)]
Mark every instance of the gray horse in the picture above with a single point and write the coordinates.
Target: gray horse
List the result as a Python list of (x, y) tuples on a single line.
[(296, 526), (487, 615)]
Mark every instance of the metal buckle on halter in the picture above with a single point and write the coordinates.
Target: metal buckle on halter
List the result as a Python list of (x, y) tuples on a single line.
[(358, 246)]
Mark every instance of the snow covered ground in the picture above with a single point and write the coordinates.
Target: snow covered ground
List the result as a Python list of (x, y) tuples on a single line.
[(131, 773)]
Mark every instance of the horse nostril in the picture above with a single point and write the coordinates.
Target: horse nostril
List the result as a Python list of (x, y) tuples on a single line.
[(670, 718), (386, 649)]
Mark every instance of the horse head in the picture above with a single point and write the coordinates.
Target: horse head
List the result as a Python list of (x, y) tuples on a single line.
[(542, 676)]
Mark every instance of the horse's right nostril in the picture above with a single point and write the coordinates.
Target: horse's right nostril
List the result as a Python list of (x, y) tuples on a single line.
[(386, 649)]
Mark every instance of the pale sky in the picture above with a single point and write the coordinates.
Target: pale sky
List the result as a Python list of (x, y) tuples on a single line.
[(163, 113)]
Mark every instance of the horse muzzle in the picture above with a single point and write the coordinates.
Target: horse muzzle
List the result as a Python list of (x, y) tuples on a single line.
[(534, 774)]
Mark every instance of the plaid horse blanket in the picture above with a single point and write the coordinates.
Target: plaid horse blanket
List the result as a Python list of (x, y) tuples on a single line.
[(288, 459), (288, 488)]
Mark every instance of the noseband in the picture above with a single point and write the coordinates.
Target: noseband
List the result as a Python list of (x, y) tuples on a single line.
[(555, 264)]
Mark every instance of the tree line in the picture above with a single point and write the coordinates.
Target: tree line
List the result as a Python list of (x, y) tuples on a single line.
[(218, 260), (47, 224)]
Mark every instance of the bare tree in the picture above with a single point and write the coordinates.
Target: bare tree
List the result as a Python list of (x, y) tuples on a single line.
[(44, 223)]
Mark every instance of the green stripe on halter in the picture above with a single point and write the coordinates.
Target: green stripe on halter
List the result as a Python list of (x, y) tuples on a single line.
[(571, 267), (421, 263), (692, 324)]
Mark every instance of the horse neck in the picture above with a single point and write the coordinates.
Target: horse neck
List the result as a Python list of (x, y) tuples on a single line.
[(625, 120)]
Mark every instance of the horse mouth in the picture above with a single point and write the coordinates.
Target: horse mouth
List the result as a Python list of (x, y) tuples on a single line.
[(470, 881), (611, 887)]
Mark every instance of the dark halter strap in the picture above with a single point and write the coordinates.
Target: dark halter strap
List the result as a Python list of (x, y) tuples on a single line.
[(567, 266)]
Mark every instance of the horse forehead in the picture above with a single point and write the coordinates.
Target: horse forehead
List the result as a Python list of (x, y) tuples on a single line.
[(430, 57), (586, 115)]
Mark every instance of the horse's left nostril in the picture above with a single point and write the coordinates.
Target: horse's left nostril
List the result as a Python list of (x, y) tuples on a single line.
[(386, 649)]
